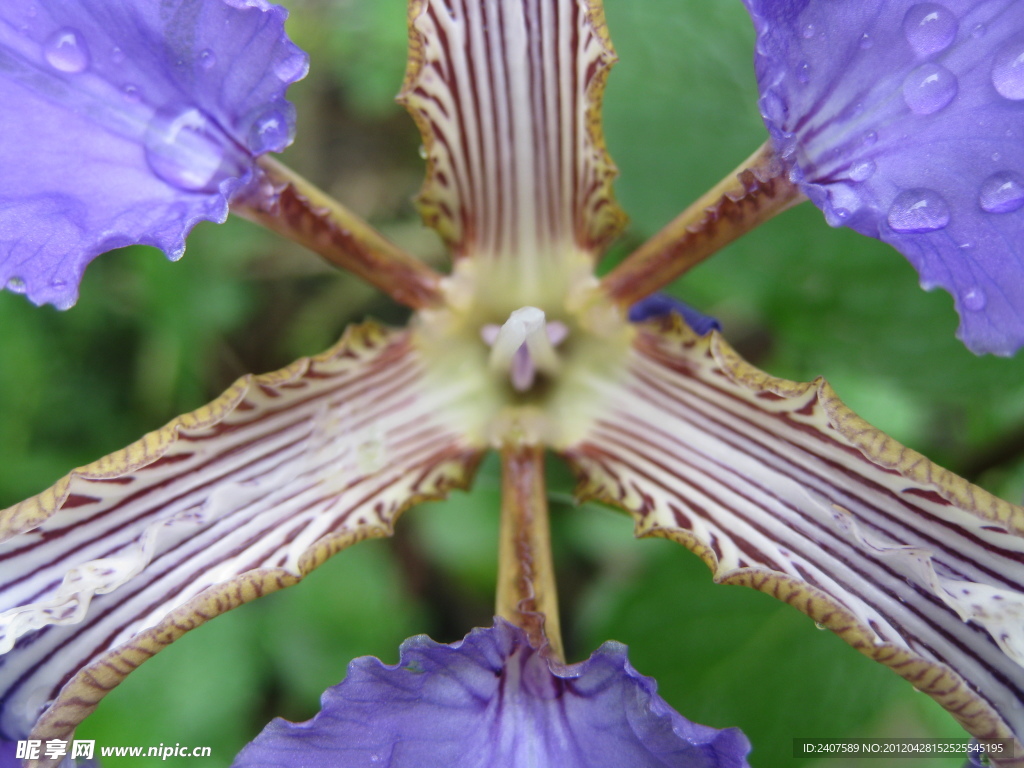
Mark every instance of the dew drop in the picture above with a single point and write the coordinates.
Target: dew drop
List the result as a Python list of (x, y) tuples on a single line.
[(929, 28), (978, 31), (997, 156), (1008, 71), (423, 152), (185, 148), (58, 284), (866, 41), (819, 625), (290, 68), (1002, 192), (870, 139), (207, 59), (929, 88), (65, 51), (918, 210), (16, 285), (862, 171), (131, 93), (269, 131), (841, 214), (803, 72), (807, 31), (116, 55), (974, 299)]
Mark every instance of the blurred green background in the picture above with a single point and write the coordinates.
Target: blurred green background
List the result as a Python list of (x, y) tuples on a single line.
[(149, 339)]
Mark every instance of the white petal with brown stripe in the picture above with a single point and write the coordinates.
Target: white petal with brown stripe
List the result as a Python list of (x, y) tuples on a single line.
[(241, 497), (507, 94), (779, 486)]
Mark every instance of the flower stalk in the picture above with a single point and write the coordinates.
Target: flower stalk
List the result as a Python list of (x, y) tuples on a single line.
[(527, 596), (290, 205), (751, 195)]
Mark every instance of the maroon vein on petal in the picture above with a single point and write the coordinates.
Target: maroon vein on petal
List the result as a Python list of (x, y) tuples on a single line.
[(779, 486), (242, 497)]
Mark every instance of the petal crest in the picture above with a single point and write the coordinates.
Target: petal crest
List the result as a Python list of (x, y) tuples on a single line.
[(492, 699), (779, 486), (129, 122), (239, 498), (902, 121)]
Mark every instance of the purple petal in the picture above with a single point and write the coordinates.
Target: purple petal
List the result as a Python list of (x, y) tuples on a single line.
[(492, 700), (128, 122), (661, 304), (905, 121)]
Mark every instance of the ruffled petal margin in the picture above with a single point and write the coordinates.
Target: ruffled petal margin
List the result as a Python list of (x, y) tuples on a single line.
[(242, 497), (903, 121), (778, 486), (129, 122), (491, 700)]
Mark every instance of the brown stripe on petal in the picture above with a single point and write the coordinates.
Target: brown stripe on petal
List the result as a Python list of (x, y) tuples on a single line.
[(779, 486), (506, 94), (241, 497)]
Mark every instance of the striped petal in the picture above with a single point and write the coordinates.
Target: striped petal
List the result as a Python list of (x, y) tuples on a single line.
[(507, 94), (779, 486), (242, 497)]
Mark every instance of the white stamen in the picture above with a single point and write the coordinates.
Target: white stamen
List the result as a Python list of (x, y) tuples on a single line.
[(524, 345)]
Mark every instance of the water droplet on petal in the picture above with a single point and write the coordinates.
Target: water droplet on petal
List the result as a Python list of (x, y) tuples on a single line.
[(918, 210), (131, 93), (269, 131), (290, 68), (978, 31), (58, 283), (207, 59), (116, 55), (866, 41), (974, 300), (1002, 192), (929, 28), (16, 285), (1008, 71), (803, 72), (807, 31), (862, 171), (997, 156), (185, 148), (423, 152), (870, 139), (819, 625), (65, 51), (929, 88)]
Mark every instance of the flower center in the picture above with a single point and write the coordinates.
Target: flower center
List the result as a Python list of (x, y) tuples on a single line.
[(524, 346)]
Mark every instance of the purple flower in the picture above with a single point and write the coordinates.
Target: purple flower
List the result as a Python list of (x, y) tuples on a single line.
[(493, 699), (129, 122), (903, 120)]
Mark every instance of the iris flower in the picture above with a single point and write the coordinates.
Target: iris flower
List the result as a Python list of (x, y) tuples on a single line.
[(127, 122)]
